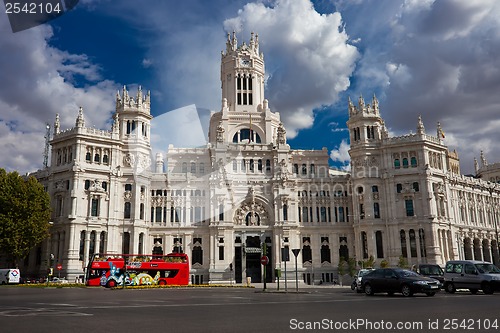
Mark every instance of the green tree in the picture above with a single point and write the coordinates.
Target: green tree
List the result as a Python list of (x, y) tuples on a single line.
[(403, 262), (351, 267), (384, 263), (24, 215), (342, 269)]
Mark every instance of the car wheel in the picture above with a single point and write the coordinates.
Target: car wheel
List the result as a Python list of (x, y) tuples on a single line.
[(368, 289), (111, 284), (431, 293), (449, 287), (406, 291), (473, 291), (487, 289), (353, 286), (162, 283)]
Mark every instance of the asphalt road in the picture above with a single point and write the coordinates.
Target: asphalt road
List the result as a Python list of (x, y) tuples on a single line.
[(191, 310)]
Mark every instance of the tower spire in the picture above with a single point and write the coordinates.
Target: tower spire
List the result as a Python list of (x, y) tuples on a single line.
[(420, 126), (80, 122)]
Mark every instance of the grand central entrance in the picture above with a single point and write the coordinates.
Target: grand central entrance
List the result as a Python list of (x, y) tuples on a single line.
[(247, 260)]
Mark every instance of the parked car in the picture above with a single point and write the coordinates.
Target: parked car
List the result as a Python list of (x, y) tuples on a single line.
[(472, 275), (356, 283), (432, 271), (396, 280), (58, 280)]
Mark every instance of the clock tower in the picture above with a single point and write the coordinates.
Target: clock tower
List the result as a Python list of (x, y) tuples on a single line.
[(242, 74)]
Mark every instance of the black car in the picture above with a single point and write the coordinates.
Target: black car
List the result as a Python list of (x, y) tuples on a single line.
[(395, 280)]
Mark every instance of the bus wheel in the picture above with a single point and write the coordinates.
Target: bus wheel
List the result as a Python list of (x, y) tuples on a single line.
[(111, 284), (162, 283)]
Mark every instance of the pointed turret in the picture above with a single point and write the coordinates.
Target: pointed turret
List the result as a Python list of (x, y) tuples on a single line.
[(439, 131), (375, 105), (420, 126), (80, 122), (57, 125), (483, 160)]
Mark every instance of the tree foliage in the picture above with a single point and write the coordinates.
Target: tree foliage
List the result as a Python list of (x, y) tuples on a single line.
[(24, 214), (403, 262)]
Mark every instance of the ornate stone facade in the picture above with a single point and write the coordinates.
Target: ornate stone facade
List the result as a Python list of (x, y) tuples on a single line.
[(247, 191)]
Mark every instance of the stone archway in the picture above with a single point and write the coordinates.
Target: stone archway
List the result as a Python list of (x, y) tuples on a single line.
[(251, 213)]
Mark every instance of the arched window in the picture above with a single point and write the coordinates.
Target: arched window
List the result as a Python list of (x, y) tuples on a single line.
[(399, 188), (140, 248), (184, 167), (202, 168), (364, 243), (88, 157), (268, 165), (92, 243), (402, 237), (141, 211), (193, 167), (413, 244), (97, 158), (246, 135), (416, 188), (413, 162), (285, 212), (405, 162), (421, 239), (102, 243), (105, 159), (397, 163), (82, 245)]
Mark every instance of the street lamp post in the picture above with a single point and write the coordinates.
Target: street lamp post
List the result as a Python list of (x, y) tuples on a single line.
[(50, 270)]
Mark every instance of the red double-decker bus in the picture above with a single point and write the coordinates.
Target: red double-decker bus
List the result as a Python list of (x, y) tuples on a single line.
[(111, 270)]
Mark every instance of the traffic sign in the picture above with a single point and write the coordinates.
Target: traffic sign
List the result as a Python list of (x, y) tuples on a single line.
[(264, 260), (59, 266)]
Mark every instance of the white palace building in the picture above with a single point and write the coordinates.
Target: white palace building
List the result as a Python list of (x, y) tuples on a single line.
[(247, 190)]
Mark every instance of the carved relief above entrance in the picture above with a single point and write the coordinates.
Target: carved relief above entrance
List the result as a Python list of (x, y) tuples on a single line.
[(251, 213)]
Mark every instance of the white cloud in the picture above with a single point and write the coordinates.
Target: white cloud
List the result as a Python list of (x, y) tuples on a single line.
[(308, 58), (38, 84), (341, 153)]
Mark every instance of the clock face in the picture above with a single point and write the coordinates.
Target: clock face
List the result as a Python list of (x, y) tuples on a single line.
[(245, 62)]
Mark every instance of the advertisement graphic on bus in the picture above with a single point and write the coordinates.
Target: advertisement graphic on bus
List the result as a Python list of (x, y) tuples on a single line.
[(111, 270)]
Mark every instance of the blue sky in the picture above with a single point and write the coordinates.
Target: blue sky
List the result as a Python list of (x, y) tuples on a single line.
[(438, 59)]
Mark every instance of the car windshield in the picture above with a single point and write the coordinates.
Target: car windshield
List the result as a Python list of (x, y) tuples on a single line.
[(364, 272), (431, 270), (487, 268), (406, 273)]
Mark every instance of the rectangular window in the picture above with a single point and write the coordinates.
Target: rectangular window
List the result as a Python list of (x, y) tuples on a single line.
[(409, 207), (376, 210), (305, 214), (323, 214), (221, 252), (95, 207), (221, 212), (341, 214)]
